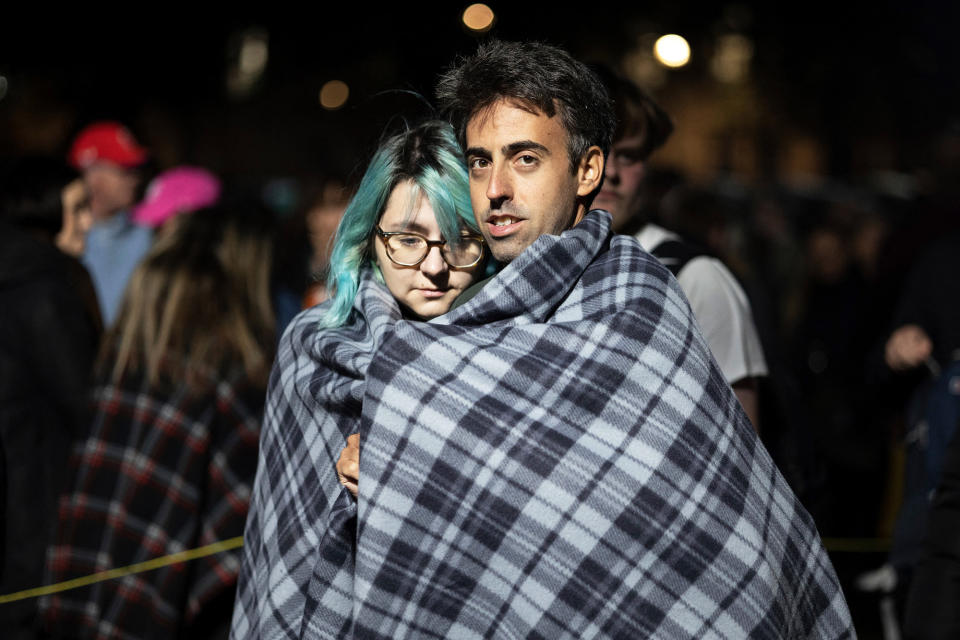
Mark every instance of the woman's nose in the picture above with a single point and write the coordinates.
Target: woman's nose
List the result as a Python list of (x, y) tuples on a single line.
[(433, 263)]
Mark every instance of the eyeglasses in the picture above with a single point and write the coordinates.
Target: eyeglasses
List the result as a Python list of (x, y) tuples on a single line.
[(409, 249)]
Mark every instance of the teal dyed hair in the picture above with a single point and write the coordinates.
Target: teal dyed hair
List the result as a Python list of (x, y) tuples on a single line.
[(430, 157)]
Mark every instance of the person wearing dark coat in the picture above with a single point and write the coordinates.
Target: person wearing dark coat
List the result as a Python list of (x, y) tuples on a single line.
[(932, 611), (49, 336)]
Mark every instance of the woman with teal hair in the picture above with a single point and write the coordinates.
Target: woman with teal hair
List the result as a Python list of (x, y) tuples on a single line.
[(414, 197), (406, 248)]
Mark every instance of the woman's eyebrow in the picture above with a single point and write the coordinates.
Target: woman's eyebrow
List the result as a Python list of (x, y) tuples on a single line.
[(407, 225)]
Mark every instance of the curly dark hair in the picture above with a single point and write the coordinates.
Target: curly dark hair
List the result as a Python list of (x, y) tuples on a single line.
[(536, 75)]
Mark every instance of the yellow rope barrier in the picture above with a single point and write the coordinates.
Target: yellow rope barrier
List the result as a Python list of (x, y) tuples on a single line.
[(839, 545), (140, 567)]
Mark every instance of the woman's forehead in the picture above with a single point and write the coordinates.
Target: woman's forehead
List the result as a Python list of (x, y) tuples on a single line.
[(408, 209)]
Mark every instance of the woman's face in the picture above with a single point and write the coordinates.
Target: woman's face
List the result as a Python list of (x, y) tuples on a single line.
[(428, 289)]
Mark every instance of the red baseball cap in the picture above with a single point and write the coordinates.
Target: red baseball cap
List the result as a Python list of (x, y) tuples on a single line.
[(106, 142)]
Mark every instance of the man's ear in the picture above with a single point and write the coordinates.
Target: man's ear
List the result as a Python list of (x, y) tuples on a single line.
[(590, 171)]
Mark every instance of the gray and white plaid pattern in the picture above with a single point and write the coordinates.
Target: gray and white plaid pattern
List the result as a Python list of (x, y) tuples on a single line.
[(560, 457)]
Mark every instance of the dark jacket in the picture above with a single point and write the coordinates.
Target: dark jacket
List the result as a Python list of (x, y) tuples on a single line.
[(48, 340), (932, 611)]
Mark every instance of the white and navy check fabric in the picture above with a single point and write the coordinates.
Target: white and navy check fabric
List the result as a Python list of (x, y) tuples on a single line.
[(560, 457)]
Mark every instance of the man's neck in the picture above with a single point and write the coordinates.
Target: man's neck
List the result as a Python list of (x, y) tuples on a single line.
[(100, 218)]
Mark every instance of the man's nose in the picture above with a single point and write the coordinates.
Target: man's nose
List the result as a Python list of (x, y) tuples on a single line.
[(500, 186), (433, 264), (610, 169)]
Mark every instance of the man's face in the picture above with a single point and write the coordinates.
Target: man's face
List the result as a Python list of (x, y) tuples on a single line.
[(521, 185), (76, 218), (621, 193), (112, 188), (322, 221)]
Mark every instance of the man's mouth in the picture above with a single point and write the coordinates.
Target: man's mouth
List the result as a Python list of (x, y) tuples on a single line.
[(504, 225)]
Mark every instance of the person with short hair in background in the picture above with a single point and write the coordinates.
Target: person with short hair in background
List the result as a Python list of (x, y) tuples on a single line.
[(109, 158), (718, 301)]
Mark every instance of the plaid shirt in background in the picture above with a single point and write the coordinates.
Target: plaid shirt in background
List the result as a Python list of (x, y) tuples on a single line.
[(165, 468)]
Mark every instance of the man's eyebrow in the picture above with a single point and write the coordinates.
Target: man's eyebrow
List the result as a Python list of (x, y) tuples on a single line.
[(524, 145), (477, 152)]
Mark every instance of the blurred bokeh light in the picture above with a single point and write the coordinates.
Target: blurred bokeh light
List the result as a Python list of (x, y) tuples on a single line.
[(672, 50), (731, 60), (334, 94), (641, 66), (478, 17), (248, 53)]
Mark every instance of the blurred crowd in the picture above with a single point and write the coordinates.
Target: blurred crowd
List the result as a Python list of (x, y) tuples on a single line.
[(141, 309)]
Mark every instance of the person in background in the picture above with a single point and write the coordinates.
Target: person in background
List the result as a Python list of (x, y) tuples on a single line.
[(173, 192), (49, 332), (718, 301), (172, 448), (931, 611), (108, 157), (77, 218), (322, 219), (923, 351)]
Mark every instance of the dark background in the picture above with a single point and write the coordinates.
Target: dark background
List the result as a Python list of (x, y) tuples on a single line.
[(838, 98), (865, 85)]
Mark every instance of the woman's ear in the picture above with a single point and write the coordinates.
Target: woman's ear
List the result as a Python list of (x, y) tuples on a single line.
[(590, 171), (371, 251)]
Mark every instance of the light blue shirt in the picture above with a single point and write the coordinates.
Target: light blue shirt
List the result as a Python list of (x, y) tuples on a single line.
[(113, 249)]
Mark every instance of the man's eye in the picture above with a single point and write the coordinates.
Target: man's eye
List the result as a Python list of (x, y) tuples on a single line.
[(527, 160), (628, 156), (478, 163)]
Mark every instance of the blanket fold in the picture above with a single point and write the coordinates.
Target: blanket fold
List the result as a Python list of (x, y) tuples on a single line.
[(559, 457)]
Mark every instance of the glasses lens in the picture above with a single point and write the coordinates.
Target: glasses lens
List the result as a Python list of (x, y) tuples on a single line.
[(406, 249), (463, 253)]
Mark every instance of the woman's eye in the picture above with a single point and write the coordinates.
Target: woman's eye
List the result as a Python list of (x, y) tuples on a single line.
[(409, 241)]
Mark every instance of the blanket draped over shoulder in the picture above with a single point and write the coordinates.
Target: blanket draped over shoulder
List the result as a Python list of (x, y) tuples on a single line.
[(559, 457)]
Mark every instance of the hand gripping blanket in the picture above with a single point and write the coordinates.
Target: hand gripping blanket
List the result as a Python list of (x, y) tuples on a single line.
[(560, 457)]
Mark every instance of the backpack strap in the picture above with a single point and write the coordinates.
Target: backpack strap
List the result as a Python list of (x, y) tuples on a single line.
[(675, 254)]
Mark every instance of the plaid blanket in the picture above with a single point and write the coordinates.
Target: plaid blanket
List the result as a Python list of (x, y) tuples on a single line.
[(560, 457)]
